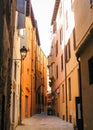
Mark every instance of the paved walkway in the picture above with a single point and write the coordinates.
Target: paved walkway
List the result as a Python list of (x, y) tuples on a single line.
[(44, 122)]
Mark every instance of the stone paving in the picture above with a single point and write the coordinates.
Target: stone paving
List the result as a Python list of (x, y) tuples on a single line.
[(44, 122)]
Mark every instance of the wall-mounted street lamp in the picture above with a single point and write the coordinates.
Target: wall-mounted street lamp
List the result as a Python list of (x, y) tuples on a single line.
[(23, 52)]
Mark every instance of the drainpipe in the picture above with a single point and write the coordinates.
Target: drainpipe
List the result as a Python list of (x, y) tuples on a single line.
[(20, 118), (66, 84), (80, 92)]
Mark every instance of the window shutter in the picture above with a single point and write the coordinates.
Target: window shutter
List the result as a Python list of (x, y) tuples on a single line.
[(21, 21), (20, 6)]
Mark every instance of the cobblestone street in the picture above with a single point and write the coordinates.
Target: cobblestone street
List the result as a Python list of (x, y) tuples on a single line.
[(44, 122)]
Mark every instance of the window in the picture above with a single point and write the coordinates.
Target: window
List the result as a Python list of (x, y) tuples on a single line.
[(67, 51), (13, 109), (56, 47), (62, 62), (63, 93), (91, 3), (70, 118), (54, 26), (15, 69), (61, 35), (69, 88), (57, 71), (74, 39), (90, 67), (63, 117), (26, 106)]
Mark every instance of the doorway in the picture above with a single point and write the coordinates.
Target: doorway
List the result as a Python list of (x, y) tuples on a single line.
[(26, 106)]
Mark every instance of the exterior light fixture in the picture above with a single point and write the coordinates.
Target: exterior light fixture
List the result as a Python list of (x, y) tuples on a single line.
[(23, 52)]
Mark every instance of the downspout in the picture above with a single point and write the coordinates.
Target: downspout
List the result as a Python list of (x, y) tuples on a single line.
[(64, 53), (80, 91), (66, 85)]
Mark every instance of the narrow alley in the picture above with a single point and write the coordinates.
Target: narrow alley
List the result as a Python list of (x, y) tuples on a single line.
[(46, 64), (44, 122)]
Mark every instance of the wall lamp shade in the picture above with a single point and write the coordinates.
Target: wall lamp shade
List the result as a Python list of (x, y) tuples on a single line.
[(23, 52)]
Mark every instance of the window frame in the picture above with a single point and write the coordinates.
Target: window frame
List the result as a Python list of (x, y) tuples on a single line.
[(74, 39), (15, 70), (63, 93), (56, 71), (62, 62), (67, 51), (56, 48), (69, 89)]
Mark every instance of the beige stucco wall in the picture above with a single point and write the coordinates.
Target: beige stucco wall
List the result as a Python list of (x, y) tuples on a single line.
[(87, 89), (71, 66), (83, 16), (15, 110)]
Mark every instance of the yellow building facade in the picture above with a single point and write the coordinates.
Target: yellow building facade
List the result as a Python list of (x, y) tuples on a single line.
[(71, 61), (84, 54), (63, 64)]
